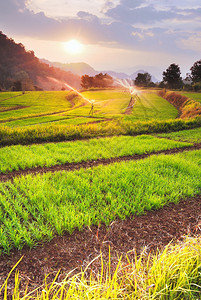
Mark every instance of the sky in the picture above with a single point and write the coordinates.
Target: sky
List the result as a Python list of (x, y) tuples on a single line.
[(118, 35)]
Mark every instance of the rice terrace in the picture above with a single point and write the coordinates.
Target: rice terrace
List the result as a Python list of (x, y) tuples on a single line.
[(100, 172), (75, 186)]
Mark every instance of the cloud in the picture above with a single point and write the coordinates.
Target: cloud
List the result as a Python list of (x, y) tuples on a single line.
[(131, 3), (124, 29), (131, 13), (16, 17), (88, 17)]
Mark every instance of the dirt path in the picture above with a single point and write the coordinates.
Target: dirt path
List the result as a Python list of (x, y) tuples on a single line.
[(129, 108), (89, 164), (151, 231)]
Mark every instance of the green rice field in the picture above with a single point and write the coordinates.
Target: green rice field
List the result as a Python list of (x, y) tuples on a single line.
[(150, 106), (35, 208), (34, 103), (22, 157), (191, 135), (36, 108), (194, 96)]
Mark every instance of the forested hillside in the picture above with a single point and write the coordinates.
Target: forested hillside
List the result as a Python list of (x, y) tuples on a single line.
[(22, 70)]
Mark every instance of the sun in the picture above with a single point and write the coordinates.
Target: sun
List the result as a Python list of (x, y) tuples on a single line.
[(73, 47)]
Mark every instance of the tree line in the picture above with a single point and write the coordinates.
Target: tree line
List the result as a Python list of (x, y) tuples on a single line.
[(172, 78)]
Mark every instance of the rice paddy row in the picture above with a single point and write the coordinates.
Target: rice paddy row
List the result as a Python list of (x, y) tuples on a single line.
[(21, 157), (191, 135), (35, 208)]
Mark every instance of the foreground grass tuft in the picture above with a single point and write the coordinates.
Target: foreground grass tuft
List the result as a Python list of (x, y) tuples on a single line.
[(174, 273)]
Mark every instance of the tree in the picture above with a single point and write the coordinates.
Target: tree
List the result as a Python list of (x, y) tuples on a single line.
[(143, 79), (86, 81), (172, 76), (196, 71), (103, 80), (17, 86), (99, 81)]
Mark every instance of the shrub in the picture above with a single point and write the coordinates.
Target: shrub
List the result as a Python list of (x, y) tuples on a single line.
[(197, 86)]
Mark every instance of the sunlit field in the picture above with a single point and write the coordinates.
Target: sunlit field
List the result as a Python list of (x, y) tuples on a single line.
[(192, 135), (49, 130), (194, 96), (150, 106), (51, 154), (34, 103), (35, 108), (35, 208)]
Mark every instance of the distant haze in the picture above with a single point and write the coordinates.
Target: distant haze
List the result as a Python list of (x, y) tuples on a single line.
[(85, 69)]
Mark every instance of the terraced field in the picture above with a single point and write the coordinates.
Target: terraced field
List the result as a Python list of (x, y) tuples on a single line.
[(36, 108), (63, 203), (51, 154)]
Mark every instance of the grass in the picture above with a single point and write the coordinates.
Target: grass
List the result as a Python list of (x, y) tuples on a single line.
[(40, 107), (150, 106), (188, 108), (172, 274), (61, 119), (5, 95), (50, 154), (191, 135), (35, 208), (112, 102), (56, 133), (36, 103), (194, 96)]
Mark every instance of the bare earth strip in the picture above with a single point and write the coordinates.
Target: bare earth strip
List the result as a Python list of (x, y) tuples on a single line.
[(129, 108), (89, 164)]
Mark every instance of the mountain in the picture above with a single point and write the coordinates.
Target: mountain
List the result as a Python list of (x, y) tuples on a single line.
[(22, 70), (85, 69), (76, 68), (119, 75)]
